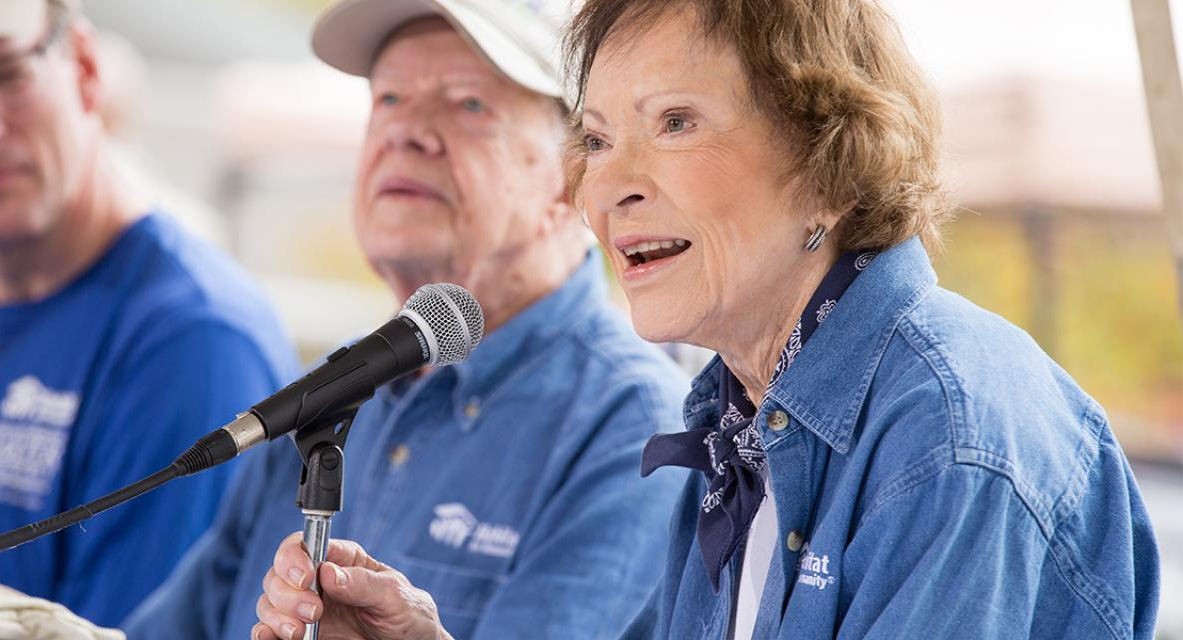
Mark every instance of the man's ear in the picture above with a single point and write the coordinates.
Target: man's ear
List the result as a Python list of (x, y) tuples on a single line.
[(561, 211), (559, 215), (83, 45)]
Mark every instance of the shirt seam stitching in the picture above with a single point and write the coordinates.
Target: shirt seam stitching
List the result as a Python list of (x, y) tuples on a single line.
[(1023, 491), (929, 466), (1052, 543), (1099, 602), (923, 471), (928, 348)]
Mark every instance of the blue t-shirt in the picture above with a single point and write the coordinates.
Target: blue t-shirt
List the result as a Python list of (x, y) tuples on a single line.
[(105, 382), (507, 486)]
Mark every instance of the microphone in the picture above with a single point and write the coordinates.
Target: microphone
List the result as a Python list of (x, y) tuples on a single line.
[(439, 325)]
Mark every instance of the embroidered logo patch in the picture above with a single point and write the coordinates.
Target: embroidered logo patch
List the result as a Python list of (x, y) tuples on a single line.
[(814, 570), (27, 400), (34, 429), (455, 526)]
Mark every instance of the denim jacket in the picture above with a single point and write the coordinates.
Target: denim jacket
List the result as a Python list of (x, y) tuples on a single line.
[(936, 475), (506, 486)]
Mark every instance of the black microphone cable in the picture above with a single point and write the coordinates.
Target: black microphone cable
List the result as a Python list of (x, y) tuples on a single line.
[(211, 450)]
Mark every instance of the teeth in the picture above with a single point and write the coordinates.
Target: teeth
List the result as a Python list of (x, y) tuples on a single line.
[(642, 247)]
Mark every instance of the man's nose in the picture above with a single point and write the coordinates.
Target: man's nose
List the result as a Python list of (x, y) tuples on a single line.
[(413, 130)]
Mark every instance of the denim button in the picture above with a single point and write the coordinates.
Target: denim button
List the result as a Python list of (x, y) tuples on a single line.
[(399, 455), (472, 409), (795, 540), (778, 420)]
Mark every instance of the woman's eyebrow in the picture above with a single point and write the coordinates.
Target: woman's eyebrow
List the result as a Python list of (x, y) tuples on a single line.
[(639, 103)]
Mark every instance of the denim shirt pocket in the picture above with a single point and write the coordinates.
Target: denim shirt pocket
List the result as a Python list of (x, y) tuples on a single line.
[(460, 593)]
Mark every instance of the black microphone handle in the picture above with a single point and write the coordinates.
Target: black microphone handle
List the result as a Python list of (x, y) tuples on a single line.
[(349, 377)]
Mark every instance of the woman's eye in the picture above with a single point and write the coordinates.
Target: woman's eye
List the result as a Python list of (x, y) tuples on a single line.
[(593, 143), (388, 99), (473, 105), (674, 124)]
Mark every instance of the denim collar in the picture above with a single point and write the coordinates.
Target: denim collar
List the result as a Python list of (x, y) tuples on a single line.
[(520, 342), (825, 388)]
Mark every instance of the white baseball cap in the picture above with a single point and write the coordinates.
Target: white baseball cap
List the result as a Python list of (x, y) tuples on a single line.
[(22, 20), (519, 37)]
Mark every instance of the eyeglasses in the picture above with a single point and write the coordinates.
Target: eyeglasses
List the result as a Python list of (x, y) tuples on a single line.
[(18, 72)]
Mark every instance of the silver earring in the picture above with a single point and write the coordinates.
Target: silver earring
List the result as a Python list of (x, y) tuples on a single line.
[(816, 239)]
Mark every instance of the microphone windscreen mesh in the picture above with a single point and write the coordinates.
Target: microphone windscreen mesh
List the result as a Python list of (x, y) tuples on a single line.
[(454, 316)]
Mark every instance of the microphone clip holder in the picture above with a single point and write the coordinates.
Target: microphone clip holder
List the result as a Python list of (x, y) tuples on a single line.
[(322, 447), (322, 479)]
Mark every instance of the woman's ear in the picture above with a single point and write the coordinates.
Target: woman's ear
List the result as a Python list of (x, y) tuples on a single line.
[(833, 218)]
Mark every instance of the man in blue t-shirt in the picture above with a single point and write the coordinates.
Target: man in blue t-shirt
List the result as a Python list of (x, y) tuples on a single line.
[(122, 339)]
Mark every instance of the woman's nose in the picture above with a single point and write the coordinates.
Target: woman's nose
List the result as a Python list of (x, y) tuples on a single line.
[(624, 184)]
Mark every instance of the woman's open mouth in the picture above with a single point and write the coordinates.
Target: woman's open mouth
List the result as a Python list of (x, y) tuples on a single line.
[(645, 252)]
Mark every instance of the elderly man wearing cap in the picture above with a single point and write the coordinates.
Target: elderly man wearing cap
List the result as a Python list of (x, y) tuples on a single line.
[(507, 485), (122, 339)]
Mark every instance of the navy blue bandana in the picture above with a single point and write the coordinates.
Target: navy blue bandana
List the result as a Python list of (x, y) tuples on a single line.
[(732, 455)]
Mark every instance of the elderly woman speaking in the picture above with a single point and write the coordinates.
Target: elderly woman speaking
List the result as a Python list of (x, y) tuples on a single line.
[(877, 457)]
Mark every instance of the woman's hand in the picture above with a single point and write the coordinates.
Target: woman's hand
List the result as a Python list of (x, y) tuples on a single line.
[(361, 598)]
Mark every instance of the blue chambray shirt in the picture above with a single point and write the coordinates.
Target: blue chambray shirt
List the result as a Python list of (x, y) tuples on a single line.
[(507, 486), (936, 475)]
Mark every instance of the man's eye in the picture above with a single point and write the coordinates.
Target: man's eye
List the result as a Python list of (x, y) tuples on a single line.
[(388, 99), (474, 105), (11, 77)]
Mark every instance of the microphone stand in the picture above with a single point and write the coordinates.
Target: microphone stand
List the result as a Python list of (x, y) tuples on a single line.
[(321, 488)]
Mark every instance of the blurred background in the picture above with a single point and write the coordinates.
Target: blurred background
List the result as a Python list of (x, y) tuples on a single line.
[(225, 115)]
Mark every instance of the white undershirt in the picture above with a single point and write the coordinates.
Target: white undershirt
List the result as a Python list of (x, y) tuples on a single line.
[(757, 558)]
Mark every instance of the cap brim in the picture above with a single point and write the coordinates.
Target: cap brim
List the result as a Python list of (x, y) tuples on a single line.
[(348, 36)]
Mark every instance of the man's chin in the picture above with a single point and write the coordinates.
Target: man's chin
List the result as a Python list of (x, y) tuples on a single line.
[(18, 224), (405, 256), (406, 211)]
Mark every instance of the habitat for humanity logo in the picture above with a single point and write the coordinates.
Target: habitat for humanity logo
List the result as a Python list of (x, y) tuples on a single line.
[(455, 526), (28, 400), (34, 428), (814, 570)]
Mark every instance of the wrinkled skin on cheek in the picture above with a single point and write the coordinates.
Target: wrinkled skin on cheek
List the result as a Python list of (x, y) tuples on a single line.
[(713, 176)]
